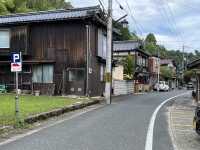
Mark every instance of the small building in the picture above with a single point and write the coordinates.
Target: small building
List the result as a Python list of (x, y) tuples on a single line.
[(170, 64), (154, 69), (63, 51), (122, 49)]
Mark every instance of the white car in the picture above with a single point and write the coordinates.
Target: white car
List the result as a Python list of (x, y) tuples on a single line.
[(162, 86)]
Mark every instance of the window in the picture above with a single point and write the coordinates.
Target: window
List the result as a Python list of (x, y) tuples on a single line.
[(76, 74), (26, 69), (102, 44), (43, 74), (4, 39), (102, 73)]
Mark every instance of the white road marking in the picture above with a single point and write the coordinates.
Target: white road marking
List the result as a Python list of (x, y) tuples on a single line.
[(149, 138), (18, 137)]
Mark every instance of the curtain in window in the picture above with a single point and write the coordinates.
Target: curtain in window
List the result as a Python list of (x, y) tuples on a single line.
[(43, 74), (37, 74), (48, 74), (4, 39)]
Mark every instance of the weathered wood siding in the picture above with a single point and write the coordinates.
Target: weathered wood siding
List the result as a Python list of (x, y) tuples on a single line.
[(65, 43)]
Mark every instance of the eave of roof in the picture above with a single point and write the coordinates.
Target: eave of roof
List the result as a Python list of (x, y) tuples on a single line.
[(53, 15), (194, 64)]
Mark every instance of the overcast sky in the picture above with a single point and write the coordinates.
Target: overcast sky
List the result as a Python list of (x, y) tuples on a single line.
[(174, 22)]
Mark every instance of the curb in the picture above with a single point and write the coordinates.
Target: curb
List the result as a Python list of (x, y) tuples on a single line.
[(58, 112), (5, 128)]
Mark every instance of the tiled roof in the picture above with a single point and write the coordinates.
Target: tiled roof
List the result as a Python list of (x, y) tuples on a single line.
[(63, 14), (125, 45), (194, 64)]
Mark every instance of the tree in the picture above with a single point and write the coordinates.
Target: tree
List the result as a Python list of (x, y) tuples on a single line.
[(125, 32), (188, 75), (20, 6), (166, 72), (150, 45), (129, 67), (151, 39)]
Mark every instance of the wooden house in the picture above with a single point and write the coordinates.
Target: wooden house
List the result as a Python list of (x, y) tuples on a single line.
[(63, 51), (122, 49)]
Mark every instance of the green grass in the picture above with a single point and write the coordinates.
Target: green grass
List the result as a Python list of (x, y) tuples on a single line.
[(29, 105)]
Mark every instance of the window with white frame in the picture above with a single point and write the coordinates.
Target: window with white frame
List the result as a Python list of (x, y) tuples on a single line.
[(4, 38)]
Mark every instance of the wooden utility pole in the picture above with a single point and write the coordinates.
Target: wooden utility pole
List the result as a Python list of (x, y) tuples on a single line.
[(109, 55), (183, 64)]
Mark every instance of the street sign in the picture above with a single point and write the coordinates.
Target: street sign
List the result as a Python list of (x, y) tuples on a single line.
[(16, 66), (16, 62)]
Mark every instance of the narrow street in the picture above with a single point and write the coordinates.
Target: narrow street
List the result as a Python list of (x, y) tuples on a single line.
[(120, 126)]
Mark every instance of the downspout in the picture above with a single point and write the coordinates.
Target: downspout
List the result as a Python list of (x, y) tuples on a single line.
[(87, 59)]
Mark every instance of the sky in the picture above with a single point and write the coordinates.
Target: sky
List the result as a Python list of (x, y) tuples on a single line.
[(174, 22)]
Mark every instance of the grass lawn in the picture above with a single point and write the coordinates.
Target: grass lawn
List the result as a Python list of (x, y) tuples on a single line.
[(30, 105)]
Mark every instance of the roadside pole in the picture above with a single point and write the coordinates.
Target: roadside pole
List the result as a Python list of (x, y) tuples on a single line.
[(158, 71), (16, 67), (17, 100), (183, 64), (109, 55)]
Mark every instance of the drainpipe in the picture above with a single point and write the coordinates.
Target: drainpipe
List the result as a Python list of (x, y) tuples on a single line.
[(87, 59)]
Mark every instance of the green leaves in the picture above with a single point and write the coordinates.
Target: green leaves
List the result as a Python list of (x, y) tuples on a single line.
[(21, 6), (129, 67), (150, 39), (166, 72)]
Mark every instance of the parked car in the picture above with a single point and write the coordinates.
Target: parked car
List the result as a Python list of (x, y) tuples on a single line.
[(162, 86), (196, 120), (3, 88), (190, 86)]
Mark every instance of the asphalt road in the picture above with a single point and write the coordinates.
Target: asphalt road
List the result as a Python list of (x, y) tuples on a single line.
[(120, 126)]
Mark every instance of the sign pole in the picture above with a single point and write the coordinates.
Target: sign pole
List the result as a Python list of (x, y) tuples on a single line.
[(17, 100), (16, 66)]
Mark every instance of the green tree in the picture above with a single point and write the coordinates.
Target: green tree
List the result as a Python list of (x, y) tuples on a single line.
[(166, 72), (20, 6), (125, 32), (188, 75), (129, 67), (151, 39)]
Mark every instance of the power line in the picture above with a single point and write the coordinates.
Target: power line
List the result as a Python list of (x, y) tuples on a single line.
[(140, 28), (173, 20), (101, 2), (170, 24), (129, 11)]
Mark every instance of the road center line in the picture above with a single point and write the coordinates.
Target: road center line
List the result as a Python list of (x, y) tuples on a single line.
[(149, 138)]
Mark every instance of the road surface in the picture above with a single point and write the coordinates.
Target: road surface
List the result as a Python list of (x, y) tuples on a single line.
[(120, 126)]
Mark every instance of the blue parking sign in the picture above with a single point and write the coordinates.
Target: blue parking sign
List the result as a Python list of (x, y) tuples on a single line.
[(16, 62), (15, 58)]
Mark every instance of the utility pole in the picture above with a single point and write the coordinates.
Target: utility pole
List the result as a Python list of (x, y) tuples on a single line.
[(109, 55), (158, 63), (183, 63)]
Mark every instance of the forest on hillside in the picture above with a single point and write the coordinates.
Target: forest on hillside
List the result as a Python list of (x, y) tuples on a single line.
[(151, 46), (22, 6)]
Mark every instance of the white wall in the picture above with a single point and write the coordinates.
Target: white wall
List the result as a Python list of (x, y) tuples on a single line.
[(122, 87)]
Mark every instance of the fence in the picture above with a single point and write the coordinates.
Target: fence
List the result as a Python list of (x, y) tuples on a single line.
[(122, 87)]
